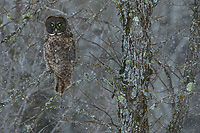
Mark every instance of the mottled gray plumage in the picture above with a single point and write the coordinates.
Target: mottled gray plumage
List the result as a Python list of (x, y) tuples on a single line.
[(59, 51)]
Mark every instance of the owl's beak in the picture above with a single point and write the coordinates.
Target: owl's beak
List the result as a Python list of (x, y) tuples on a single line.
[(55, 31)]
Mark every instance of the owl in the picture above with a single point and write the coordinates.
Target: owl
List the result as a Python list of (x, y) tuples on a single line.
[(59, 51)]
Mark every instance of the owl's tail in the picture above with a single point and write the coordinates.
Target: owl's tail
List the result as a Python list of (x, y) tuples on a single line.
[(60, 85)]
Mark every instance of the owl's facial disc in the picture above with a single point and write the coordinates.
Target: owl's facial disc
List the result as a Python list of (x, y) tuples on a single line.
[(56, 25)]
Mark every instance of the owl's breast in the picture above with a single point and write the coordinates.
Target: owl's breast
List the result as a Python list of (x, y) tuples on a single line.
[(59, 51)]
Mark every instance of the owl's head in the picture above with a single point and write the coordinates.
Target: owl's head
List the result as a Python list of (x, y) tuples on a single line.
[(56, 25)]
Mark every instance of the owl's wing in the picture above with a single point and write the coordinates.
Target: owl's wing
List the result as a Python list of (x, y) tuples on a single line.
[(70, 49), (73, 49)]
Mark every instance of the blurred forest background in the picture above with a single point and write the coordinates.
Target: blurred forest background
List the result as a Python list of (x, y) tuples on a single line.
[(137, 67)]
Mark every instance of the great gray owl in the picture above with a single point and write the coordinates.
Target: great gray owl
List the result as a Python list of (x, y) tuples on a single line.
[(59, 51)]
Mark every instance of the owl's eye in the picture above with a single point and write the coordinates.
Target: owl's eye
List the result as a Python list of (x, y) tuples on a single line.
[(52, 24), (59, 24)]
